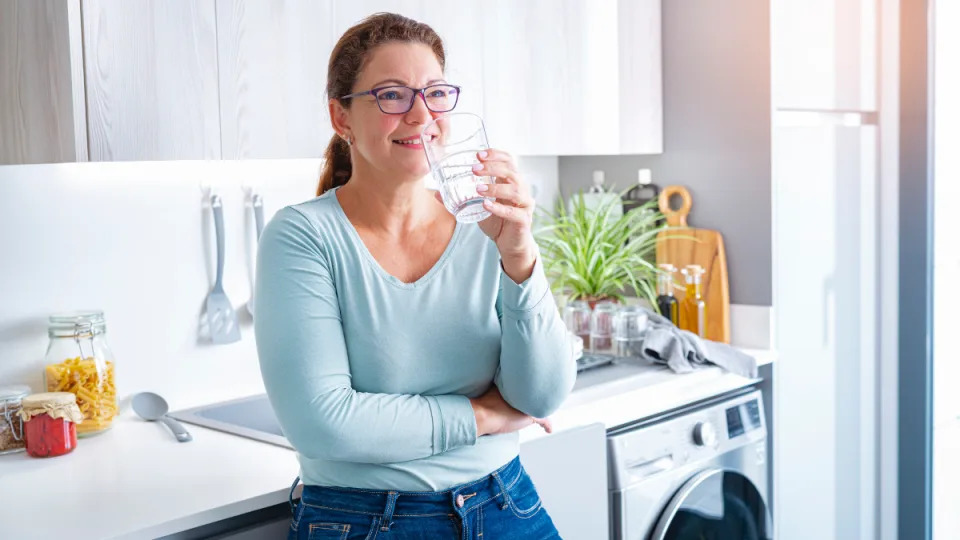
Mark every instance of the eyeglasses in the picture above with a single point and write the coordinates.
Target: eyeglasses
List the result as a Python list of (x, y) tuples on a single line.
[(399, 99)]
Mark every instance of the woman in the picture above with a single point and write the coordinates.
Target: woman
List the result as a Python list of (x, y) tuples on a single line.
[(403, 351)]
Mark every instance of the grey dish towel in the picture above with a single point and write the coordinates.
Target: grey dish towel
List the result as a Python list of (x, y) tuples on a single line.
[(683, 351)]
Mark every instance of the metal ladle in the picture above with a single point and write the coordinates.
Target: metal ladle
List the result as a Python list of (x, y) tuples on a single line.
[(152, 407)]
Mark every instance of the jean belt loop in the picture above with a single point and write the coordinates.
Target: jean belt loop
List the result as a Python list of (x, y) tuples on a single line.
[(503, 490), (387, 520), (293, 488)]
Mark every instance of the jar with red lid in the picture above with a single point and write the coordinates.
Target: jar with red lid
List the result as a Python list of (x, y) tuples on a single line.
[(49, 423)]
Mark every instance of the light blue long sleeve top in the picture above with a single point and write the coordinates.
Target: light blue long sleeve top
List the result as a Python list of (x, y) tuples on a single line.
[(370, 377)]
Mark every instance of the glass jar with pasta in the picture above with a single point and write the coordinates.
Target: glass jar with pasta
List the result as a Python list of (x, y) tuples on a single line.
[(79, 361)]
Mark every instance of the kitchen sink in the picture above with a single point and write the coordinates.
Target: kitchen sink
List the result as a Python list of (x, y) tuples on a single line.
[(250, 417)]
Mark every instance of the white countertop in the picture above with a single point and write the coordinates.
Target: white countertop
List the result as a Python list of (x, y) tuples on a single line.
[(136, 481)]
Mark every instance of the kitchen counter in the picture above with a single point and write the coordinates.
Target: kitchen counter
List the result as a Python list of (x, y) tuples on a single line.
[(136, 481)]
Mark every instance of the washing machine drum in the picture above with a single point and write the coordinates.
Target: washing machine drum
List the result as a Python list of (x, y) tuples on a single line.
[(715, 504)]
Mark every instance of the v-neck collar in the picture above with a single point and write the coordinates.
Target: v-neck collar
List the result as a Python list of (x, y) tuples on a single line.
[(424, 279)]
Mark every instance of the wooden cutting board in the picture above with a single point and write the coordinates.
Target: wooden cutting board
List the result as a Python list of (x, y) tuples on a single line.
[(681, 245)]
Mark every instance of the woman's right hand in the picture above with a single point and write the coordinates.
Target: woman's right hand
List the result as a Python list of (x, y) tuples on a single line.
[(494, 415)]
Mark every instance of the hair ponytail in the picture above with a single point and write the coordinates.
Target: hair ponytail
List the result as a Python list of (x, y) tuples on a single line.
[(337, 167)]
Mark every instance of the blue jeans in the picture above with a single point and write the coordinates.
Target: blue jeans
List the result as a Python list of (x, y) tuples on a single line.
[(504, 504)]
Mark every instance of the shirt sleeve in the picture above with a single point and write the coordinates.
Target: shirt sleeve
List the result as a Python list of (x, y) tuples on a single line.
[(303, 360), (537, 371)]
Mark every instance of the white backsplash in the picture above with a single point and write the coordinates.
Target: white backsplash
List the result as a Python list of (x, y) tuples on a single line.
[(136, 240)]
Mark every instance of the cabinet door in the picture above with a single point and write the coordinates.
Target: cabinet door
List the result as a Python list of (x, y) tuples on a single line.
[(640, 70), (273, 76), (825, 210), (826, 52), (569, 469), (151, 80), (531, 88), (572, 78), (42, 115)]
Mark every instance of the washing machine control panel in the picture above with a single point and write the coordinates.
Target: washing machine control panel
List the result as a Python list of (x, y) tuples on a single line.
[(742, 418)]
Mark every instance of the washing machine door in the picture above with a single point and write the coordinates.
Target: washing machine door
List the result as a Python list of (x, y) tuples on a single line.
[(715, 504)]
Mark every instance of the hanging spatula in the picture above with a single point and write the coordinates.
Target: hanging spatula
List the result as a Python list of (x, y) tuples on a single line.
[(220, 315), (257, 204)]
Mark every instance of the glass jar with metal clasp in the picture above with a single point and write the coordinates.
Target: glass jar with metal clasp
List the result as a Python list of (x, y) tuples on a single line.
[(79, 360), (11, 425)]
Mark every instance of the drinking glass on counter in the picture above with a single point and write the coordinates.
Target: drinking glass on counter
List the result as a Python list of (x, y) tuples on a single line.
[(576, 315), (601, 327), (629, 325)]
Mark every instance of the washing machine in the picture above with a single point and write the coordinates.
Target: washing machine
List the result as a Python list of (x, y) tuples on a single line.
[(693, 473)]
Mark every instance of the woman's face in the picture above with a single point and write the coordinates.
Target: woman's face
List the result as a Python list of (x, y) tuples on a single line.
[(390, 143)]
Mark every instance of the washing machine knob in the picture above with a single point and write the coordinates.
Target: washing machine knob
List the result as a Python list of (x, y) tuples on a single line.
[(704, 434)]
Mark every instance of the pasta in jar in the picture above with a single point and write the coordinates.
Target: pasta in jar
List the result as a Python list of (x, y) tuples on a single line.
[(94, 386), (79, 361)]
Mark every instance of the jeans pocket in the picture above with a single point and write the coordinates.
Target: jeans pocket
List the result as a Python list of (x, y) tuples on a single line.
[(524, 499), (297, 514), (328, 531)]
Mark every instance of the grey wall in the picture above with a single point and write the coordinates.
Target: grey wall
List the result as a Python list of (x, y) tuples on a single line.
[(716, 99)]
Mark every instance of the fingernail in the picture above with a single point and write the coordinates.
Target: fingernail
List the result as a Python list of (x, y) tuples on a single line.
[(477, 166), (482, 154), (482, 187)]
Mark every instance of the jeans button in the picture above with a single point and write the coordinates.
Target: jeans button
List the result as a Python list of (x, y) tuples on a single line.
[(459, 501)]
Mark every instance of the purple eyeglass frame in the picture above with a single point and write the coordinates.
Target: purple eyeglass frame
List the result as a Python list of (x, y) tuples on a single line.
[(416, 92)]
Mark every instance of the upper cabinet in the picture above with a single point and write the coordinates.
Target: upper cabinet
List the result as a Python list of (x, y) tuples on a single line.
[(826, 54), (273, 77), (40, 73), (151, 80), (239, 79), (572, 77)]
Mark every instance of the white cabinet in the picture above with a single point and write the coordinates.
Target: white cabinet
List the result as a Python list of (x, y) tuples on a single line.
[(151, 80), (569, 469), (272, 59), (825, 208), (42, 113), (549, 78), (826, 54), (238, 79), (573, 78)]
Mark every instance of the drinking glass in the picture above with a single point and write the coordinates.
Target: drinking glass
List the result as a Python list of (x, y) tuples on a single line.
[(451, 143), (576, 315), (601, 327), (629, 325)]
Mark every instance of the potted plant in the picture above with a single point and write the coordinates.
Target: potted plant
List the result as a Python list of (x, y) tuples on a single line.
[(590, 255)]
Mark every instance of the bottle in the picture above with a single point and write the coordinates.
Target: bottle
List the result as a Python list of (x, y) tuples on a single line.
[(642, 193), (666, 301), (598, 197), (693, 308)]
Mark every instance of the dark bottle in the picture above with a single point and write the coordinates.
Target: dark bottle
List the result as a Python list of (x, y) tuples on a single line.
[(666, 301), (642, 193)]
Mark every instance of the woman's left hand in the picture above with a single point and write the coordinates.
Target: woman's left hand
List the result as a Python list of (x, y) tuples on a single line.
[(510, 226)]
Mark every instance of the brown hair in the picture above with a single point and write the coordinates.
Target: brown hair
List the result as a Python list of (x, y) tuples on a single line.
[(348, 58)]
